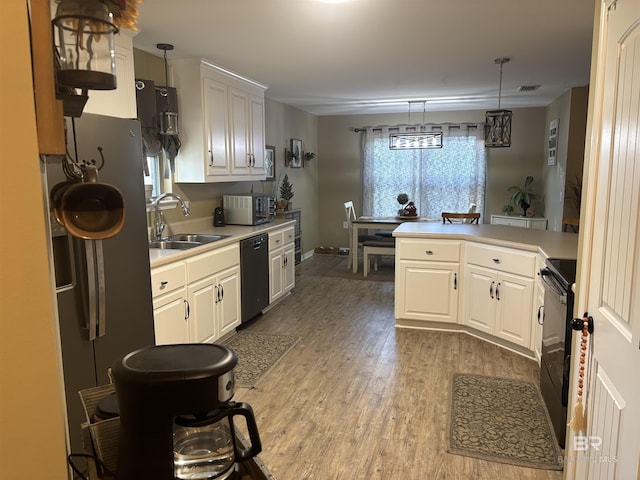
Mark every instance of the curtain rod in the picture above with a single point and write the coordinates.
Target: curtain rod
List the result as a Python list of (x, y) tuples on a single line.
[(448, 124)]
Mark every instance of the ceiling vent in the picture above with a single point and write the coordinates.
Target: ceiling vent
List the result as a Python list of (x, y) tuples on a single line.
[(528, 88)]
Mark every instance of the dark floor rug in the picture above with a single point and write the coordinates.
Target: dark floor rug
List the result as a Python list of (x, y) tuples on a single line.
[(257, 354), (501, 420), (338, 269)]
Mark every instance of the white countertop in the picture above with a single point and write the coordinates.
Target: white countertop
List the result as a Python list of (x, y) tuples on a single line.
[(158, 257), (551, 244)]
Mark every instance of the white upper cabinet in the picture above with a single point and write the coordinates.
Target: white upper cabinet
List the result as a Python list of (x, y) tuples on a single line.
[(120, 102), (221, 119)]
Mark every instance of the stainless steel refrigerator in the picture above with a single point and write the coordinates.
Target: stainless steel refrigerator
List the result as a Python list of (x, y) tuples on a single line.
[(98, 325)]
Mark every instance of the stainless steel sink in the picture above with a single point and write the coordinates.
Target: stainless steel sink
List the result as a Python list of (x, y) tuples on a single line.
[(173, 244), (184, 241), (197, 237)]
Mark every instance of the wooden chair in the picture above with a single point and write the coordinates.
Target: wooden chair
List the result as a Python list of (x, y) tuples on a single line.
[(570, 223), (350, 214), (464, 217)]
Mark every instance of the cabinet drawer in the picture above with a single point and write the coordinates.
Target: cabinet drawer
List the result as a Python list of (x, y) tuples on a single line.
[(289, 235), (167, 278), (503, 259), (432, 250), (209, 263), (276, 239)]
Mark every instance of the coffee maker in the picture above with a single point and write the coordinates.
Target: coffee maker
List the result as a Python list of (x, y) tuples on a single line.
[(176, 414)]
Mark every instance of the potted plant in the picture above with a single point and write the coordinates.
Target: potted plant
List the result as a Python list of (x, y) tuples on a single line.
[(507, 209), (522, 196), (286, 192), (403, 198)]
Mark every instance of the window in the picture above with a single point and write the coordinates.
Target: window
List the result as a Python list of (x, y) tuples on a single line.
[(436, 180)]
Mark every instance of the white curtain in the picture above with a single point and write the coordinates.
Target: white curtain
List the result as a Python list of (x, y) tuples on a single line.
[(436, 180)]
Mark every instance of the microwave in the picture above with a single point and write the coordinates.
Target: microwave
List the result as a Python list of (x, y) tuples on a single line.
[(249, 208)]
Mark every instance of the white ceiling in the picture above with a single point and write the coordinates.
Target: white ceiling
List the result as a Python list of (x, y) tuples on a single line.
[(373, 56)]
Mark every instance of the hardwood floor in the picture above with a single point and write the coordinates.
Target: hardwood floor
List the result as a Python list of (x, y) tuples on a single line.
[(357, 398)]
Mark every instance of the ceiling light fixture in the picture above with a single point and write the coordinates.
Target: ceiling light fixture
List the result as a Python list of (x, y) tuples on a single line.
[(416, 140), (498, 122), (168, 119)]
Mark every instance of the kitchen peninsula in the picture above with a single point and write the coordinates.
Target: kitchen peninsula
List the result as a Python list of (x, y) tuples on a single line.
[(478, 279)]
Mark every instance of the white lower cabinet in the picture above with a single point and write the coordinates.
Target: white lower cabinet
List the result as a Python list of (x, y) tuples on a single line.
[(427, 280), (205, 304), (499, 304), (170, 304), (499, 292), (536, 324), (282, 276)]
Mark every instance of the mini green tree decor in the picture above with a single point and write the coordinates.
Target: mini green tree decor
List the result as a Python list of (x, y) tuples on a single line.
[(286, 189)]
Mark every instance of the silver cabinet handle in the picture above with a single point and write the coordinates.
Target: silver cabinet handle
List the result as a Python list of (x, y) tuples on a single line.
[(163, 284), (187, 310), (496, 260), (498, 291), (217, 294), (429, 252), (455, 281), (541, 315), (211, 158), (491, 289)]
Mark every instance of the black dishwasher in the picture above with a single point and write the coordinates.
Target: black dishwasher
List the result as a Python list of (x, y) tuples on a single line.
[(254, 276)]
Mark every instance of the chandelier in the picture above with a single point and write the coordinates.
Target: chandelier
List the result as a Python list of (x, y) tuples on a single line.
[(498, 122), (416, 140)]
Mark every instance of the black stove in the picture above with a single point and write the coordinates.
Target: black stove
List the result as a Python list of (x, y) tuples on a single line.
[(559, 276), (564, 270)]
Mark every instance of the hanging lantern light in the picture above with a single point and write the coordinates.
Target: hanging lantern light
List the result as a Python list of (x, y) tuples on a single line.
[(416, 140), (168, 118), (84, 33), (498, 122)]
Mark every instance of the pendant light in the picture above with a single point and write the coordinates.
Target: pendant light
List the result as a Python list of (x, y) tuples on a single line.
[(416, 140), (84, 33), (498, 122), (168, 118)]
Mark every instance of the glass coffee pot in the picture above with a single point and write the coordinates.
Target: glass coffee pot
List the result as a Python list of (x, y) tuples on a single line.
[(204, 446)]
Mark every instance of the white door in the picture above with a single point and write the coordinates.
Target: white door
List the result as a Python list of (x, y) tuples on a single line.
[(609, 271)]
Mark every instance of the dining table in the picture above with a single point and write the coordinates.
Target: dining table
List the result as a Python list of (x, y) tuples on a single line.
[(378, 223)]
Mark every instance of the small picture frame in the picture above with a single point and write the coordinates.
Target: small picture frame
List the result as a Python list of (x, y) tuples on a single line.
[(553, 142), (295, 155), (270, 162)]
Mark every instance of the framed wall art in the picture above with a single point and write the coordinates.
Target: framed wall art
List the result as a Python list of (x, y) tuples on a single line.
[(553, 142), (270, 161), (295, 155)]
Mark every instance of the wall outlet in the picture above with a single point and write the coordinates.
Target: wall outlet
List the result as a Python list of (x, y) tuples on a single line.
[(345, 225)]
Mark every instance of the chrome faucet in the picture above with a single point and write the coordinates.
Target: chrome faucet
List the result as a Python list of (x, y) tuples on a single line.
[(159, 223)]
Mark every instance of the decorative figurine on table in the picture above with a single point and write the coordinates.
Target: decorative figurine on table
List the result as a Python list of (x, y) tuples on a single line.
[(410, 210)]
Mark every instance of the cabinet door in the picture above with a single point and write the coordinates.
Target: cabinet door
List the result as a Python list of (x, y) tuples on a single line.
[(216, 128), (288, 268), (514, 299), (480, 297), (170, 317), (429, 291), (120, 102), (536, 324), (257, 136), (202, 297), (276, 286), (240, 132), (228, 311)]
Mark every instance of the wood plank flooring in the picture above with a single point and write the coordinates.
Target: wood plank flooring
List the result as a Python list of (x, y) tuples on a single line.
[(357, 398)]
